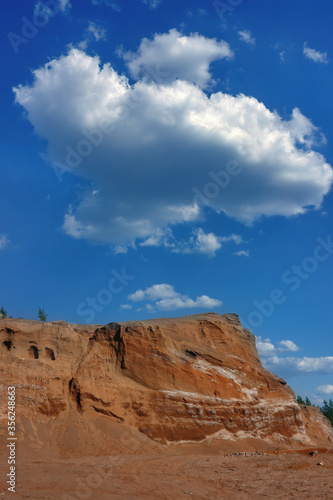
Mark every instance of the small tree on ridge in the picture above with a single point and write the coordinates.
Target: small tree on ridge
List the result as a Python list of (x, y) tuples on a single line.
[(3, 312), (41, 314)]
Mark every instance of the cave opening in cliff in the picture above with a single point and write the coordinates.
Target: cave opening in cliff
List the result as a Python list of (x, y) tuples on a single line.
[(8, 344), (192, 354), (74, 389), (33, 351), (49, 353)]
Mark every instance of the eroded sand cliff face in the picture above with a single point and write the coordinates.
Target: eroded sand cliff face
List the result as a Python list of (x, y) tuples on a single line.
[(192, 379)]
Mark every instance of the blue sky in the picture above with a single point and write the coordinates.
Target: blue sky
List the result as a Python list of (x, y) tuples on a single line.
[(164, 158)]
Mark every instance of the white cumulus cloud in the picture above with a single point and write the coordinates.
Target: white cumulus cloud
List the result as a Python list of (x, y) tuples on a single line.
[(164, 297), (315, 55), (266, 347), (325, 389), (293, 366), (200, 242), (155, 292), (172, 55), (287, 345), (206, 243), (148, 148)]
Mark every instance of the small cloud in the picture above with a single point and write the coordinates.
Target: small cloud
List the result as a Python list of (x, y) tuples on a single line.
[(114, 5), (120, 249), (125, 306), (287, 345), (245, 36), (265, 347), (83, 44), (200, 242), (94, 32), (236, 238), (65, 6), (155, 292), (164, 297), (42, 9), (4, 242), (98, 32), (278, 48), (152, 4), (325, 389), (206, 243), (315, 55), (160, 238), (150, 308), (244, 253), (153, 241)]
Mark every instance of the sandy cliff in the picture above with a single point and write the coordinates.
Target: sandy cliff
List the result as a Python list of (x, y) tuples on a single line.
[(192, 379)]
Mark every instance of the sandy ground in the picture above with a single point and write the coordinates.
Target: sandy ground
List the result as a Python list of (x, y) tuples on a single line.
[(278, 475)]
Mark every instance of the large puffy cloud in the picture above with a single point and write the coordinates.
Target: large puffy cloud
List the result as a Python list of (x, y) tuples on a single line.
[(164, 297), (156, 154), (172, 55)]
